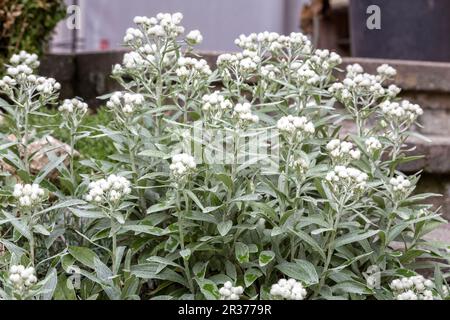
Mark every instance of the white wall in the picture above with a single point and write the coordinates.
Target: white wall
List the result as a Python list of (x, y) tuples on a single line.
[(220, 21)]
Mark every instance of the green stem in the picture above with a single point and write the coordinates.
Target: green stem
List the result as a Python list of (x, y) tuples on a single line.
[(187, 270)]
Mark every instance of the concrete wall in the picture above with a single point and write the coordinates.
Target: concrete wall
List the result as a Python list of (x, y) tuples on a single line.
[(221, 21)]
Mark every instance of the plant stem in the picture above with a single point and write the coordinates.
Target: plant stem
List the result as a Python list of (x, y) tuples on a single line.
[(187, 270), (72, 152), (24, 141)]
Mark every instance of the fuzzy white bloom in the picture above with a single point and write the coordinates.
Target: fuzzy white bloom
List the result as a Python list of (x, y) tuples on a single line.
[(387, 71), (194, 37), (393, 91), (25, 58), (73, 106), (47, 86), (413, 288), (300, 165), (243, 113), (112, 189), (274, 42), (295, 127), (6, 83), (269, 71), (343, 151), (192, 67), (28, 195), (182, 165), (133, 36), (22, 278), (305, 73), (401, 112), (244, 62), (128, 103), (346, 178), (325, 59), (288, 290), (215, 104), (400, 184), (133, 60), (354, 69), (229, 292), (373, 145)]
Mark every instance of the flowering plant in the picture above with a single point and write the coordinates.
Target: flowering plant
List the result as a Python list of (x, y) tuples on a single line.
[(191, 207)]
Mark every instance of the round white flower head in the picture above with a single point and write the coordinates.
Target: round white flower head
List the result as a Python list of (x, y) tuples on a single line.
[(401, 113), (400, 184), (243, 113), (26, 59), (182, 165), (295, 127), (21, 277), (413, 288), (229, 292), (28, 195), (342, 151), (110, 190), (386, 71), (127, 103), (344, 179), (47, 86), (192, 68), (288, 290), (194, 37), (373, 145), (325, 60), (73, 106), (215, 104), (300, 165)]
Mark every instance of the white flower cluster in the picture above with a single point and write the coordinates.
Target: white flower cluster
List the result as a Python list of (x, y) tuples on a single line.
[(413, 288), (295, 127), (163, 25), (228, 292), (386, 71), (25, 58), (305, 73), (244, 62), (269, 71), (45, 86), (274, 42), (28, 195), (347, 178), (133, 36), (300, 165), (343, 151), (192, 67), (182, 165), (21, 277), (22, 65), (215, 104), (373, 145), (194, 37), (73, 106), (128, 103), (401, 112), (288, 289), (325, 60), (243, 113), (400, 184), (111, 189)]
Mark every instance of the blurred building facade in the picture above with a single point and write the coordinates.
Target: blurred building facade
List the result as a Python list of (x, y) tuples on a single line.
[(104, 22)]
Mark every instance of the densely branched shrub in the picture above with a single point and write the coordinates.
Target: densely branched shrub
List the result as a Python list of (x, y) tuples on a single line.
[(27, 25), (236, 183)]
